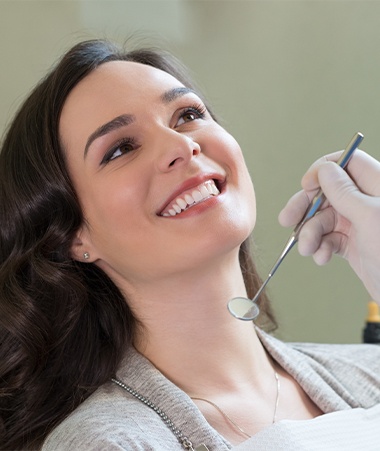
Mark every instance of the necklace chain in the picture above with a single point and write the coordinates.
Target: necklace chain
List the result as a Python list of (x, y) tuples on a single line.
[(185, 442), (278, 386)]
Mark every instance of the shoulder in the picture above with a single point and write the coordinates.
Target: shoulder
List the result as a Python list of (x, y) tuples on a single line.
[(109, 420), (340, 357), (335, 357), (354, 368), (338, 375), (152, 415)]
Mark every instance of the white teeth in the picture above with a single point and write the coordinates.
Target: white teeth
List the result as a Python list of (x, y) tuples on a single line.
[(203, 191), (181, 203), (197, 195), (189, 199), (209, 188), (214, 190)]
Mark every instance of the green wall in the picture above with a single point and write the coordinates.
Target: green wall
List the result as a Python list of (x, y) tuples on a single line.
[(291, 80)]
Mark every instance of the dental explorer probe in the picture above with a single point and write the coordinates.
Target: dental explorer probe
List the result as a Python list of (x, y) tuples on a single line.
[(247, 309)]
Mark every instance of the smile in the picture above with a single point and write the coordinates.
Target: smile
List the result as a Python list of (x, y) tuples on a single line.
[(193, 197)]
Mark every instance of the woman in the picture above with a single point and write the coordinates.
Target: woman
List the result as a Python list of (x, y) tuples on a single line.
[(121, 244)]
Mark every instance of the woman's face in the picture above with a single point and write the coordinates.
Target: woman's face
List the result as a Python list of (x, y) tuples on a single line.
[(163, 187)]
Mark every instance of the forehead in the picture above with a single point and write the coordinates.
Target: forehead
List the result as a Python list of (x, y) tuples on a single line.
[(120, 80), (114, 88)]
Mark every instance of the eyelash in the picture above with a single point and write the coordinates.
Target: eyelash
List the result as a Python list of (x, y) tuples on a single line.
[(122, 142), (198, 109)]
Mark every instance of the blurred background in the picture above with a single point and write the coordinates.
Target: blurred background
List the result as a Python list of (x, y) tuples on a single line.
[(291, 80)]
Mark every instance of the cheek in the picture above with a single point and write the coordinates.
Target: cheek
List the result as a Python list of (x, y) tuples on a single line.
[(113, 206), (242, 203), (241, 177), (225, 149)]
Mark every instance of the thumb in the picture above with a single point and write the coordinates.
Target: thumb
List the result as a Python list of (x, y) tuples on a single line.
[(340, 190)]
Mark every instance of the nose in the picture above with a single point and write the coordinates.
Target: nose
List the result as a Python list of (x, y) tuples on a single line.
[(175, 149)]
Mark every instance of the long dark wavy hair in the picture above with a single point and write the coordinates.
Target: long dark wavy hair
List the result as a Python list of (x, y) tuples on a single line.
[(63, 324)]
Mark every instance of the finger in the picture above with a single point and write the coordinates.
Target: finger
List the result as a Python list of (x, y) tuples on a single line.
[(295, 209), (313, 232), (310, 179), (334, 243), (366, 172), (341, 191), (362, 168)]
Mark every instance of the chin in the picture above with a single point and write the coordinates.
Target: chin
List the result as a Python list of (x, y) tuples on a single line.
[(226, 240)]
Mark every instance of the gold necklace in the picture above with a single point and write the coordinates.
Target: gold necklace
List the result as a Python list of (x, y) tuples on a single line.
[(242, 431)]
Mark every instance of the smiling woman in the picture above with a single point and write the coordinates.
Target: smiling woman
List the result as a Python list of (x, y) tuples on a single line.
[(175, 147), (125, 216), (65, 324)]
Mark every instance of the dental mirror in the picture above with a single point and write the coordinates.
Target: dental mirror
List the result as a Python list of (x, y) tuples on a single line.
[(247, 309)]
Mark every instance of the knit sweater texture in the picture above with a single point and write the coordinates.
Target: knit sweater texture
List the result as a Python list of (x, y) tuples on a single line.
[(336, 378)]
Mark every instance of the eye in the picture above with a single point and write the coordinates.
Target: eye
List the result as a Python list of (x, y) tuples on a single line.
[(122, 147), (191, 114)]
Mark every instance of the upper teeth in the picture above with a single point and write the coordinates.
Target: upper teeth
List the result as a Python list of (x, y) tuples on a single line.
[(198, 194)]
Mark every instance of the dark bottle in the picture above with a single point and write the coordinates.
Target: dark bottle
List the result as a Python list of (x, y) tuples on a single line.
[(371, 332)]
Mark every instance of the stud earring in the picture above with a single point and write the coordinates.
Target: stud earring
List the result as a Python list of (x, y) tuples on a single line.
[(86, 255)]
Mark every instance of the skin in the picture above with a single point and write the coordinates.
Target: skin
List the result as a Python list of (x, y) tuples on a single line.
[(125, 194), (347, 224), (177, 272)]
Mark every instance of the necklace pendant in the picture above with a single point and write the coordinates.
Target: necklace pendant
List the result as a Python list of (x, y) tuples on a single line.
[(201, 447)]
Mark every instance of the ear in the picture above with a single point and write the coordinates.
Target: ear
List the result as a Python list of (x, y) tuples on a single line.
[(81, 248)]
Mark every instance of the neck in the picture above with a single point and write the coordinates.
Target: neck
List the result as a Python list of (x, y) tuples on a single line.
[(190, 337)]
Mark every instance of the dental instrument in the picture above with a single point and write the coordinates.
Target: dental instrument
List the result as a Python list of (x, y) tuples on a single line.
[(246, 309)]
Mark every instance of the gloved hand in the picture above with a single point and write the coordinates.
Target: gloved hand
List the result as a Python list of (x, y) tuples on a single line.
[(349, 222)]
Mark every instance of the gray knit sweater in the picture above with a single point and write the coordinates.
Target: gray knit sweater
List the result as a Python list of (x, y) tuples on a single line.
[(336, 377)]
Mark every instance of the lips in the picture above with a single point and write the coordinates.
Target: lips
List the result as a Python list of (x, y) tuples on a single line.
[(190, 197)]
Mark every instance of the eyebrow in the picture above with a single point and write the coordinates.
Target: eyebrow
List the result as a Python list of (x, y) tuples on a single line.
[(126, 119), (174, 93), (114, 124)]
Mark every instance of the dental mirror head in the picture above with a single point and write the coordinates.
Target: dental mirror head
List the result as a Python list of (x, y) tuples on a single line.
[(243, 308)]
